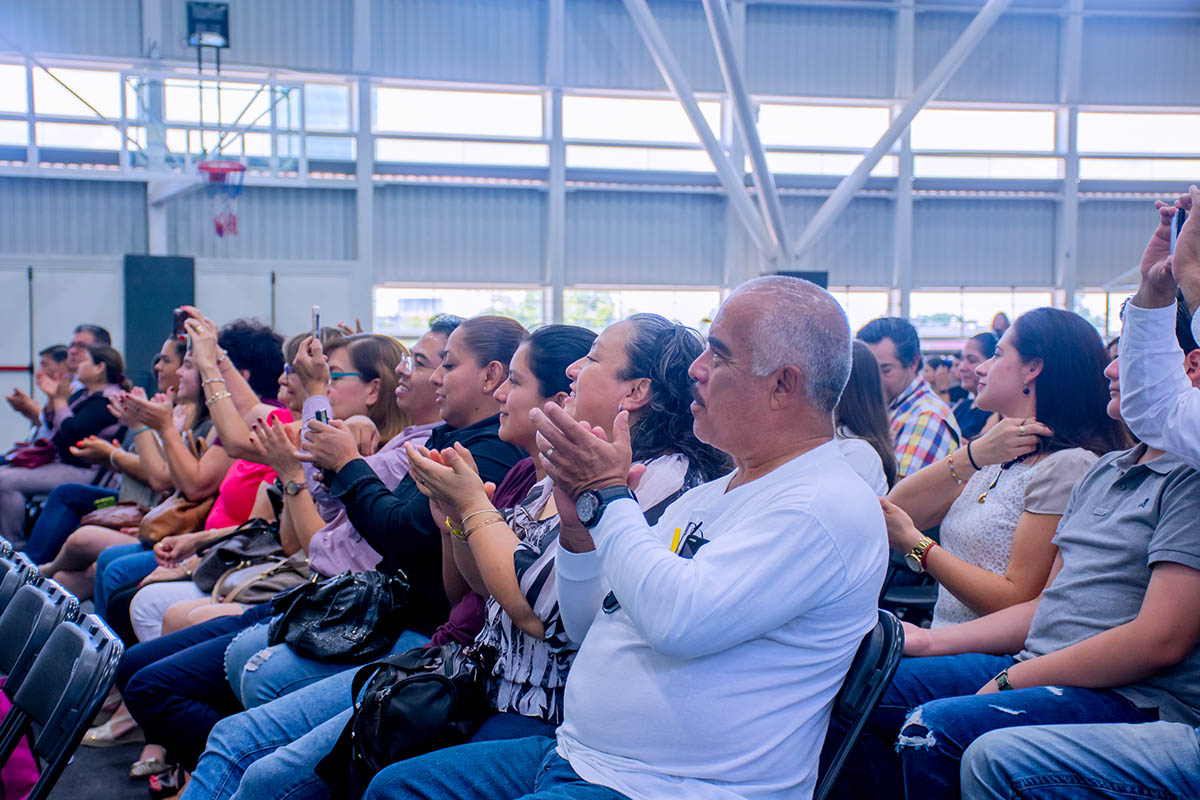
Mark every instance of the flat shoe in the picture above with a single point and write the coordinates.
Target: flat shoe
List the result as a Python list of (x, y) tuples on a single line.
[(103, 736), (149, 766)]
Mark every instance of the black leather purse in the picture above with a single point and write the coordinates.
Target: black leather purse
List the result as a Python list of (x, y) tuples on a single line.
[(348, 618), (415, 702)]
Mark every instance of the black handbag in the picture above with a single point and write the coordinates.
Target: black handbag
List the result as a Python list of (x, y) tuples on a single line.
[(415, 702), (349, 618), (255, 541)]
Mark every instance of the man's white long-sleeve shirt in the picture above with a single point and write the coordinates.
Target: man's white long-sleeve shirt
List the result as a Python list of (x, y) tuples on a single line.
[(1158, 402), (715, 677)]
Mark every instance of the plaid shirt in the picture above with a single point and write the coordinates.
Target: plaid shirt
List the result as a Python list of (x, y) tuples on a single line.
[(923, 429)]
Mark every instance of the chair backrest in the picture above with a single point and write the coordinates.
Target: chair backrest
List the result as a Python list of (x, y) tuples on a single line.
[(61, 694), (15, 572), (27, 622), (868, 678), (6, 548)]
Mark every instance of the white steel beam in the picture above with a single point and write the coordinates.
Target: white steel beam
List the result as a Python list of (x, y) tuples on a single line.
[(902, 227), (732, 179), (764, 181), (556, 189), (928, 89), (1066, 256)]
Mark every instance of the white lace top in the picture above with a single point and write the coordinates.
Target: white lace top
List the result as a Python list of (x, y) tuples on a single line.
[(982, 533)]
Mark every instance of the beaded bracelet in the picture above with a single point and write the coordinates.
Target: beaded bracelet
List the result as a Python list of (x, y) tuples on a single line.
[(212, 380), (954, 474), (218, 396)]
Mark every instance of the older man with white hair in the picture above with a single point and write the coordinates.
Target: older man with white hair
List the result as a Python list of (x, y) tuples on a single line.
[(709, 670)]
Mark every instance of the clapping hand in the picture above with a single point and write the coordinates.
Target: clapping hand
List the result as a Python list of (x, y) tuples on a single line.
[(577, 455), (95, 450), (24, 405), (203, 333), (156, 414), (449, 478), (276, 448)]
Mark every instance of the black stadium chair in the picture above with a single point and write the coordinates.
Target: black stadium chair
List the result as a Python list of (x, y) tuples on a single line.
[(15, 572), (27, 622), (6, 548), (869, 676), (60, 696)]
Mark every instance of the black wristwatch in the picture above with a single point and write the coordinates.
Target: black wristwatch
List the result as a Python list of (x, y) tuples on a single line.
[(590, 505)]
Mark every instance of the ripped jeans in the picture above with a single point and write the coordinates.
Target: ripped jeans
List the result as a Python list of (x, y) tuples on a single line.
[(931, 713)]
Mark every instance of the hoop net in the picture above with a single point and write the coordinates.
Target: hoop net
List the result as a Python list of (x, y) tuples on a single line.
[(223, 184)]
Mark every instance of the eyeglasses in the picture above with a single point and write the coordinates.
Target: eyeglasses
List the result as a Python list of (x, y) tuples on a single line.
[(406, 365), (335, 376)]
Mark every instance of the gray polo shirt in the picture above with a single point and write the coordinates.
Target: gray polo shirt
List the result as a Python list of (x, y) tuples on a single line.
[(1122, 519)]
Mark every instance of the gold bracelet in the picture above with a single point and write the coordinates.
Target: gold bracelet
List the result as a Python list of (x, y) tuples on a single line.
[(463, 522), (954, 474), (218, 396), (212, 380), (467, 533)]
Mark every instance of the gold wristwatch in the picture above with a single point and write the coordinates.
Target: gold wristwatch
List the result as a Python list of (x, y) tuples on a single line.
[(915, 558)]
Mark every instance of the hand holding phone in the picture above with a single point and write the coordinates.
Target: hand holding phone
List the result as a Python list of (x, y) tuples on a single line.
[(316, 322), (1177, 225), (181, 317)]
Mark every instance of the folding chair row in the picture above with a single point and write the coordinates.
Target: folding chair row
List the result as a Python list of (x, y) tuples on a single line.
[(60, 695), (16, 570)]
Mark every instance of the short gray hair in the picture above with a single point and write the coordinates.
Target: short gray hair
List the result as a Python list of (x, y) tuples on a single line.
[(801, 326)]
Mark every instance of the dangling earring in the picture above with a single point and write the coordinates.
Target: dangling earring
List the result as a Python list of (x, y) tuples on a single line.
[(1026, 389)]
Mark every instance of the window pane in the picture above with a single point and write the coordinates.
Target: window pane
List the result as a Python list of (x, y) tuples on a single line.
[(656, 158), (134, 94), (13, 131), (68, 134), (1103, 310), (596, 308), (960, 129), (1139, 169), (938, 315), (326, 108), (825, 164), (12, 88), (457, 113), (982, 167), (331, 147), (287, 108), (100, 89), (861, 306), (626, 119), (419, 151), (404, 312), (1139, 133), (821, 126), (190, 101)]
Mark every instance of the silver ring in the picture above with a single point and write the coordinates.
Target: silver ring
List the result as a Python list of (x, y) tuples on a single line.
[(549, 452)]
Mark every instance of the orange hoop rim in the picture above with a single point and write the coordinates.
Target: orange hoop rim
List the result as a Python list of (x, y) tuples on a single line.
[(219, 170)]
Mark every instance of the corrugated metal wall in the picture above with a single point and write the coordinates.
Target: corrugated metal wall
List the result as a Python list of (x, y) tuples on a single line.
[(97, 27), (819, 51), (72, 217), (459, 40), (1016, 61), (983, 243), (1112, 236), (649, 238), (428, 233), (309, 34), (857, 248), (301, 224), (604, 48), (1139, 63)]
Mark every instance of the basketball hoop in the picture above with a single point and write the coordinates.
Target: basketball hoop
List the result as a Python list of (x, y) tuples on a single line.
[(223, 184)]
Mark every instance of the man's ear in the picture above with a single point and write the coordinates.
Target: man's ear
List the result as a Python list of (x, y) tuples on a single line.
[(786, 387), (637, 396), (1191, 364)]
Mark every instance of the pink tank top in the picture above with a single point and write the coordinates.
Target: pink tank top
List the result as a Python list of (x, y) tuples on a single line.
[(235, 497)]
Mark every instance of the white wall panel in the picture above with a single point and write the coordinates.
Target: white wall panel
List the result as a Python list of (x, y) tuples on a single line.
[(645, 238), (459, 40), (1140, 62), (857, 248), (1112, 236), (228, 295), (983, 243), (310, 34), (1016, 61), (427, 233), (819, 51), (14, 350), (603, 47), (295, 295), (72, 217), (273, 223), (96, 27)]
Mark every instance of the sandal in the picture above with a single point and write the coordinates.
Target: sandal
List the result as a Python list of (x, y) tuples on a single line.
[(103, 736), (145, 767), (168, 784)]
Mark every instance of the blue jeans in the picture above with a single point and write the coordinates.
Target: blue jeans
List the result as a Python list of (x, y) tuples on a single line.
[(119, 567), (259, 673), (1158, 760), (270, 750), (505, 770), (931, 713), (60, 517)]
